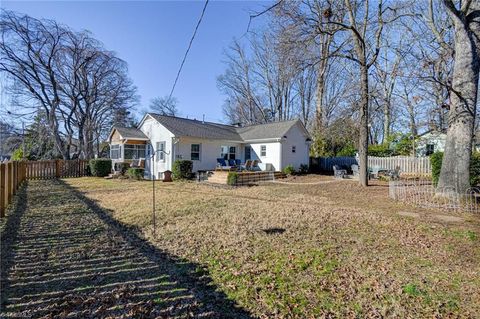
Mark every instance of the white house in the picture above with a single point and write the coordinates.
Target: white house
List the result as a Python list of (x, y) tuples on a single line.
[(275, 145), (430, 142)]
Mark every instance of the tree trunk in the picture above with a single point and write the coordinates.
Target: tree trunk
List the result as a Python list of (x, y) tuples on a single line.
[(363, 140), (386, 122), (455, 172)]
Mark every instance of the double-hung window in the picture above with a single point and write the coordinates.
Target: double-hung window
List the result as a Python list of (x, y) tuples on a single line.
[(195, 152), (160, 151), (263, 150), (294, 149)]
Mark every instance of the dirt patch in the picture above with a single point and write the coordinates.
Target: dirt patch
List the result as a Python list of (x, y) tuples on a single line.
[(409, 214)]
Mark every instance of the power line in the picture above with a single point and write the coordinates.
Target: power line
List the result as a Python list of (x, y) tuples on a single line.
[(188, 49)]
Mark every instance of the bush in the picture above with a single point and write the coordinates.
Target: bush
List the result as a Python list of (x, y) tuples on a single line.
[(232, 178), (122, 167), (380, 150), (436, 162), (289, 170), (100, 167), (135, 172), (303, 169), (347, 151), (182, 169)]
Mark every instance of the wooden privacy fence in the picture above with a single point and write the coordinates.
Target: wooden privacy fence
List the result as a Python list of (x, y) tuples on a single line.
[(14, 173), (415, 165)]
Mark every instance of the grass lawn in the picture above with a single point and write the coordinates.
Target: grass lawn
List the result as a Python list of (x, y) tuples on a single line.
[(330, 249)]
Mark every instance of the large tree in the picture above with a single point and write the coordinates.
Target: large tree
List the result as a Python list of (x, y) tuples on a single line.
[(465, 17)]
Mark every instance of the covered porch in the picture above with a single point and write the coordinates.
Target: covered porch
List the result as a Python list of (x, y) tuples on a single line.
[(127, 145)]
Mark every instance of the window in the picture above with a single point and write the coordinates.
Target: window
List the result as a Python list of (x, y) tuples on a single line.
[(263, 150), (228, 152), (430, 149), (160, 152), (134, 151), (294, 149), (195, 152), (115, 151), (248, 153)]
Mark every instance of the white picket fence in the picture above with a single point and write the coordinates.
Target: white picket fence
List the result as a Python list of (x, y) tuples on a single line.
[(407, 164)]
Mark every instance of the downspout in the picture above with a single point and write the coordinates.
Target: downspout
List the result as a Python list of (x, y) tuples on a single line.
[(280, 161)]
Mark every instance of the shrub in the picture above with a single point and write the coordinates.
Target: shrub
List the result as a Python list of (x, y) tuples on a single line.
[(123, 167), (289, 170), (232, 178), (436, 162), (303, 169), (182, 169), (380, 150), (135, 172), (347, 151), (100, 167)]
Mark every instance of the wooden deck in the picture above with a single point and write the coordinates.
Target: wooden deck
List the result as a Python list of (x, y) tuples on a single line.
[(244, 177)]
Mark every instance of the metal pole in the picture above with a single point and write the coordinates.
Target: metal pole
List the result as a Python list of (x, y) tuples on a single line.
[(153, 194), (23, 140)]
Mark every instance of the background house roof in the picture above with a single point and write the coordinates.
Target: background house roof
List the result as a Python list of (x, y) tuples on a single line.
[(130, 132), (194, 128)]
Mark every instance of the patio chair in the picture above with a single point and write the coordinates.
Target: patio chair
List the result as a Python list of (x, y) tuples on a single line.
[(395, 174), (339, 173), (247, 166), (238, 162), (231, 162), (137, 162), (374, 172), (355, 170), (221, 162), (255, 166)]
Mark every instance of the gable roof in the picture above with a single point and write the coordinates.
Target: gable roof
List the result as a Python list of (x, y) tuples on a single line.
[(266, 131), (193, 128), (129, 133), (209, 130)]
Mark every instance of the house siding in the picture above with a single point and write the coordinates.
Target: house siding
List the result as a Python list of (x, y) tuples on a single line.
[(273, 153), (295, 137), (157, 133), (210, 150)]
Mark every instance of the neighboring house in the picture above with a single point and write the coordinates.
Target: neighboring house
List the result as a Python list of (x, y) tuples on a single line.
[(430, 142), (275, 145)]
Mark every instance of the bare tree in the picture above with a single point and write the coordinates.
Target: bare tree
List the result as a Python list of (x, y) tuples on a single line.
[(165, 105)]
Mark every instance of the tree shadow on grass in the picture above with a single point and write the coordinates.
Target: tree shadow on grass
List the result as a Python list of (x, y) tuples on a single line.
[(64, 255)]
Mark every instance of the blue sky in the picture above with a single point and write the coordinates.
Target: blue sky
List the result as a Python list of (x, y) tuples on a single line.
[(152, 37)]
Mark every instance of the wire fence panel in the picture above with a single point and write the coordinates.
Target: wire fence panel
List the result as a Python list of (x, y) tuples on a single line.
[(422, 193)]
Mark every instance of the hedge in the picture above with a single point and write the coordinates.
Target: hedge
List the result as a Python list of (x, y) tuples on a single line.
[(232, 178), (135, 172), (436, 162), (100, 167), (182, 169)]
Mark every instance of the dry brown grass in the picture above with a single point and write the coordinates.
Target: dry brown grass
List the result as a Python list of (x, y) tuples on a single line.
[(301, 250)]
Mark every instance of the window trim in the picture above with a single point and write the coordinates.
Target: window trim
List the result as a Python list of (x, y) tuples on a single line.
[(199, 151), (263, 150), (118, 149), (160, 156)]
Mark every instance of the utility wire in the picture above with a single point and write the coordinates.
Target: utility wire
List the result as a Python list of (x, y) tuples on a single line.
[(188, 49)]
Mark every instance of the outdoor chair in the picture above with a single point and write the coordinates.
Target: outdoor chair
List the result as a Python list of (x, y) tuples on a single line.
[(355, 170), (238, 162), (247, 166), (339, 173), (231, 162), (374, 172), (395, 174), (221, 162), (137, 162), (255, 166)]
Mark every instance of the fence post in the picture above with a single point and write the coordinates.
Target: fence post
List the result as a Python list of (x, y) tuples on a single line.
[(57, 168)]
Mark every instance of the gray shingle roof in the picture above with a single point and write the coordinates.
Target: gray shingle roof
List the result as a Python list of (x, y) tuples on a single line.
[(265, 131), (193, 128), (130, 132)]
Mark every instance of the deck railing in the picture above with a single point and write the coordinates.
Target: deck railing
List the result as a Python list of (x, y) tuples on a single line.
[(14, 173)]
